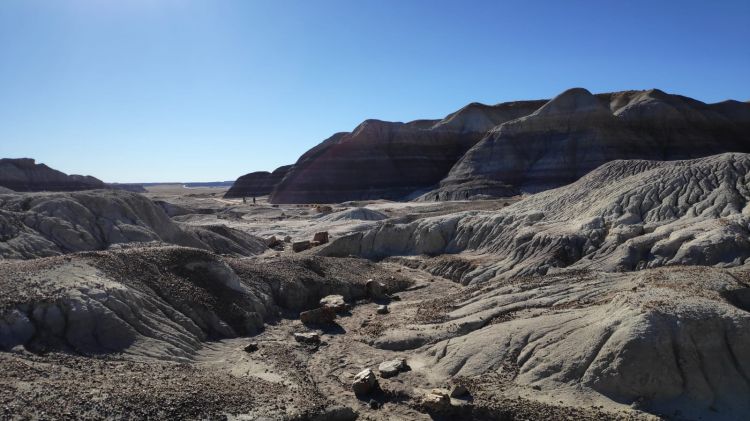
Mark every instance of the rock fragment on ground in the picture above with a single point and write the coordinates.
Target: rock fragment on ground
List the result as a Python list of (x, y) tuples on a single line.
[(318, 316), (391, 368), (364, 382), (321, 237), (334, 302), (307, 338), (436, 400), (299, 246)]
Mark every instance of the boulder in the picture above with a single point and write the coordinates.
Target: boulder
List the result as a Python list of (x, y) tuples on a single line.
[(334, 302), (436, 400), (364, 382), (299, 246), (318, 316), (251, 347), (382, 309), (323, 209), (307, 338), (321, 237), (392, 367), (272, 241)]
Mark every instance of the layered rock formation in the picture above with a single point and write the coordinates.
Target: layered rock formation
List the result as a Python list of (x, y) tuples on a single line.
[(509, 148), (390, 160), (259, 183), (576, 132), (48, 224), (24, 174), (625, 215)]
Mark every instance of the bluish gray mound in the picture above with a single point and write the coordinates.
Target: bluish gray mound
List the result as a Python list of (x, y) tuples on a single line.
[(48, 224)]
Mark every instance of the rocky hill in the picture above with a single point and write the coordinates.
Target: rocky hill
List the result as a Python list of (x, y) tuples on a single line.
[(48, 224), (259, 183), (625, 215), (576, 132), (509, 148), (390, 160), (24, 175)]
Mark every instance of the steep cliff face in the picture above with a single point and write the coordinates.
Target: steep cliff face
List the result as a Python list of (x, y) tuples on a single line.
[(25, 174), (390, 160), (258, 183), (576, 132)]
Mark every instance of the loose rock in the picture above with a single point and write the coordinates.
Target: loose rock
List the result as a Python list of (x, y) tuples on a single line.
[(392, 367), (299, 246), (382, 309), (323, 209), (308, 338), (321, 237), (334, 302), (364, 382), (251, 347), (318, 316), (272, 241), (436, 400)]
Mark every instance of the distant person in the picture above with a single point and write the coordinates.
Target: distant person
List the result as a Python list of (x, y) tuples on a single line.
[(253, 200)]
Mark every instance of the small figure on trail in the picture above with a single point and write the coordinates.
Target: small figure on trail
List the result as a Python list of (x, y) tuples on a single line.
[(253, 200)]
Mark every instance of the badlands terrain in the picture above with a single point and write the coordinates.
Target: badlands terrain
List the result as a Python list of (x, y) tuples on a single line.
[(582, 258)]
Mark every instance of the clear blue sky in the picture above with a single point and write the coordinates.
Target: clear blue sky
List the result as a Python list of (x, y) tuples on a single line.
[(184, 90)]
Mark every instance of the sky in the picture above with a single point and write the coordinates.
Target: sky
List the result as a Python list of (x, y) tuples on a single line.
[(188, 90)]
